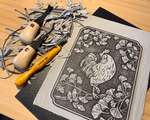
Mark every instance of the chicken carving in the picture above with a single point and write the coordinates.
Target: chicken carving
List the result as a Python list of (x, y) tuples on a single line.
[(98, 71)]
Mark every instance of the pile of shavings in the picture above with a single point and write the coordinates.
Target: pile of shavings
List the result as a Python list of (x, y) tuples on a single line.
[(62, 21)]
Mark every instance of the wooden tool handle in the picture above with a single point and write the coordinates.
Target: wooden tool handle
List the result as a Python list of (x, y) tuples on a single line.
[(29, 33), (22, 79), (46, 58), (23, 59)]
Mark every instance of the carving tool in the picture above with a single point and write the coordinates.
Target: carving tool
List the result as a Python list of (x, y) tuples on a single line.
[(30, 32), (22, 79), (24, 58)]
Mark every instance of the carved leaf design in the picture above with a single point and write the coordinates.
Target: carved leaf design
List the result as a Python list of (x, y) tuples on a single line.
[(83, 99), (60, 89), (103, 104), (64, 77), (108, 98), (115, 113), (78, 50), (122, 52), (129, 44), (70, 70), (110, 92), (127, 101), (125, 59), (127, 85), (80, 107), (74, 95), (79, 80), (86, 45), (96, 111), (103, 43), (101, 118), (97, 90), (125, 67), (113, 104), (98, 43), (69, 96), (72, 78), (122, 42), (119, 94), (75, 104), (118, 46), (111, 118), (122, 78), (119, 88)]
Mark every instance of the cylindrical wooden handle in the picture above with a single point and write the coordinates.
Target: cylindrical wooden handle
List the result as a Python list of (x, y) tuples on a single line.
[(43, 60), (37, 66), (23, 59), (29, 33), (22, 79)]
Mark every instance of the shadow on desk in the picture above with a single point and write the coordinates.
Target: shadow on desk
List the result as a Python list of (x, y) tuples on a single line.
[(2, 117)]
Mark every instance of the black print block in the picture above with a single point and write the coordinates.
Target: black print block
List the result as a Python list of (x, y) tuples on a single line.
[(98, 79)]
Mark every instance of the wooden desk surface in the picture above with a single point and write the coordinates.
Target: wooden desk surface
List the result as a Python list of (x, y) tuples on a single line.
[(136, 12)]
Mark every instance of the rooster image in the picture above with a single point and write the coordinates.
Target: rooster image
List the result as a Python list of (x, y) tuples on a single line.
[(98, 71)]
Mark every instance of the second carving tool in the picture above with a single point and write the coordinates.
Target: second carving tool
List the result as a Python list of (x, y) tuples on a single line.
[(30, 32), (43, 60)]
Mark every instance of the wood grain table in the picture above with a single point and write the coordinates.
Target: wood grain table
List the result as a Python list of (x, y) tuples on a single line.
[(136, 12)]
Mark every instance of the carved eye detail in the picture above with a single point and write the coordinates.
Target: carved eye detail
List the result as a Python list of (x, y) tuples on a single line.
[(32, 25), (27, 49)]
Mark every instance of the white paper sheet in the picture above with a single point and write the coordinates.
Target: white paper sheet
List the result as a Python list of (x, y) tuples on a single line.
[(44, 97)]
